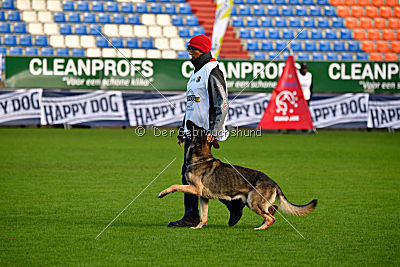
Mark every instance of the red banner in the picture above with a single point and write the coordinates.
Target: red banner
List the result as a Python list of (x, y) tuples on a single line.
[(287, 108)]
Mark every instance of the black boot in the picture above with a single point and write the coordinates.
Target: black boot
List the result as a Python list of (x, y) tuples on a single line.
[(235, 208), (191, 217)]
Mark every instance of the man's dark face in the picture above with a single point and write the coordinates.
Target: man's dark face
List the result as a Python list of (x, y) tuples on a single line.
[(303, 70), (194, 52)]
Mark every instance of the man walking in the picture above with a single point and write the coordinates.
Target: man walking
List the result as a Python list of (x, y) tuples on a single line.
[(305, 79), (206, 108)]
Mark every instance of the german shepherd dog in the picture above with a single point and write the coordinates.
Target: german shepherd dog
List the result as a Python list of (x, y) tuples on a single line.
[(210, 178)]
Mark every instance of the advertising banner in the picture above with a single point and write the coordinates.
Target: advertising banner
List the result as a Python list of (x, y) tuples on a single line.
[(20, 105), (173, 74), (222, 15), (384, 114)]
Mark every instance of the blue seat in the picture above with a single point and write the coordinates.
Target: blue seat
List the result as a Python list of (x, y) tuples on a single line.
[(102, 42), (8, 4), (266, 45), (252, 2), (95, 29), (19, 28), (294, 2), (287, 34), (296, 46), (302, 34), (274, 56), (280, 2), (177, 20), (287, 11), (78, 52), (13, 15), (41, 40), (134, 19), (353, 46), (97, 6), (25, 40), (339, 46), (59, 17), (245, 33), (266, 22), (234, 11), (315, 11), (309, 22), (127, 7), (301, 11), (2, 15), (47, 51), (280, 22), (258, 10), (82, 6), (244, 10), (5, 27), (16, 51), (308, 2), (323, 2), (331, 34), (81, 29), (89, 18), (237, 22), (74, 17), (332, 56), (310, 45), (252, 22), (281, 45), (132, 42), (184, 32), (65, 29), (316, 34), (259, 33), (156, 8), (323, 23), (198, 31), (260, 56), (31, 51), (183, 54), (119, 18), (252, 45), (325, 46), (192, 21), (347, 56), (185, 9), (117, 42), (104, 18), (329, 11), (273, 34), (112, 7), (147, 43), (68, 6), (170, 9), (63, 52), (238, 2), (338, 23), (318, 56), (345, 34), (294, 22), (141, 8), (165, 1), (362, 56), (273, 10), (265, 2), (303, 56)]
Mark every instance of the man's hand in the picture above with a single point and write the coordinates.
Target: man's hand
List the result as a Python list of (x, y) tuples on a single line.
[(180, 141), (210, 138)]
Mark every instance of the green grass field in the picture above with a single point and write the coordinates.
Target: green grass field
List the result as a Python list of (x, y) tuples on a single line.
[(60, 188)]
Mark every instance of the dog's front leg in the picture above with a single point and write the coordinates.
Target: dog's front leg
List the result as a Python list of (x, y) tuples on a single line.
[(203, 213), (189, 189)]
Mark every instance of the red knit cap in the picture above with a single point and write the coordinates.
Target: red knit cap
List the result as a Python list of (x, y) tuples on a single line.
[(201, 42)]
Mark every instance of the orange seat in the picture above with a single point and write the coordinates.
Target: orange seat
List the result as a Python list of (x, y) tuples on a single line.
[(360, 34), (395, 46), (366, 23), (376, 56), (357, 11), (394, 23), (380, 23), (371, 11), (397, 11), (382, 46), (335, 2), (363, 2), (374, 34), (351, 23), (368, 46), (378, 2), (349, 2), (343, 11), (398, 34), (388, 34), (390, 56), (385, 11), (392, 2)]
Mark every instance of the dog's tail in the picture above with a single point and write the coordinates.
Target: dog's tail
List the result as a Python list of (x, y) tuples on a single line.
[(292, 209)]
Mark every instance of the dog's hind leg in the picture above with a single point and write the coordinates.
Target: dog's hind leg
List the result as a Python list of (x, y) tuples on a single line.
[(203, 213), (262, 205)]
